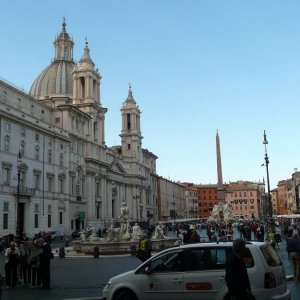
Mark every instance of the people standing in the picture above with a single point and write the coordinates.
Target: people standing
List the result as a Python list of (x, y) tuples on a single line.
[(12, 259), (191, 236), (236, 276), (25, 270), (45, 258), (34, 262), (293, 249)]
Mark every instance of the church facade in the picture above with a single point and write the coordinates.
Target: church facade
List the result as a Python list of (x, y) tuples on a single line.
[(57, 173)]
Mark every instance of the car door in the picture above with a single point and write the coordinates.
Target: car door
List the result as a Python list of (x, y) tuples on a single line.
[(163, 278), (204, 276)]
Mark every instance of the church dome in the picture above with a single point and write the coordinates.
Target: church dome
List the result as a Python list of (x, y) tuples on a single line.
[(56, 79)]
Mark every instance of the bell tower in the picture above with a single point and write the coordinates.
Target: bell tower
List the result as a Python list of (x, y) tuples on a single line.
[(86, 94), (131, 129)]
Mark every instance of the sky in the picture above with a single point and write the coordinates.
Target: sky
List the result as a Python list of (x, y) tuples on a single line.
[(196, 67)]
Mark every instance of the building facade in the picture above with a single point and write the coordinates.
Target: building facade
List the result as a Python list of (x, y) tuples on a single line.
[(207, 199), (171, 200), (245, 198), (191, 198), (66, 177)]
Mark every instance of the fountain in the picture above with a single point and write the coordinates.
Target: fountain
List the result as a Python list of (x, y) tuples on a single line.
[(121, 239), (221, 212)]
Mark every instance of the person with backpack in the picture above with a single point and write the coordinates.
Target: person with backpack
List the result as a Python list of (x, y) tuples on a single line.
[(145, 248)]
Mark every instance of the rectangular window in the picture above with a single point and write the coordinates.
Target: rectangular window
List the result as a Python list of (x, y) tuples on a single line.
[(60, 217), (36, 220), (22, 132), (37, 137), (57, 120), (5, 206), (36, 208), (37, 178), (49, 221), (49, 142), (49, 157), (6, 144), (36, 153), (6, 176), (49, 209), (97, 189), (128, 146), (5, 221), (72, 186), (50, 183), (61, 186), (7, 127)]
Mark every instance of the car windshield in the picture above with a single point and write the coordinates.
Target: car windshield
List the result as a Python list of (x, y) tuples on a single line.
[(271, 257)]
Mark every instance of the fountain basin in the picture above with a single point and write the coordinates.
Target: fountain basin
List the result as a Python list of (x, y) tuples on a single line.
[(119, 247)]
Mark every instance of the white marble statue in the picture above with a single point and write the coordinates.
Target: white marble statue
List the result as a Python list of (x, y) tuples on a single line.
[(221, 212), (83, 236), (124, 216), (227, 211), (137, 232), (113, 233), (91, 234), (159, 232)]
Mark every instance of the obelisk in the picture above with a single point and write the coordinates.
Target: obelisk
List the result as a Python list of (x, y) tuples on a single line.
[(220, 187)]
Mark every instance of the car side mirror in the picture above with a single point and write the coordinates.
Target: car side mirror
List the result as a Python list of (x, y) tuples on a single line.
[(148, 270)]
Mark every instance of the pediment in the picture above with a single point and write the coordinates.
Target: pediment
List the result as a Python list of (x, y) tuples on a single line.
[(117, 167)]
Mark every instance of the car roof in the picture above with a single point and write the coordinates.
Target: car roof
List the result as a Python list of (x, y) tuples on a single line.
[(214, 244)]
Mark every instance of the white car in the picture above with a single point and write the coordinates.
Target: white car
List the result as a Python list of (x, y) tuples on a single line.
[(197, 271)]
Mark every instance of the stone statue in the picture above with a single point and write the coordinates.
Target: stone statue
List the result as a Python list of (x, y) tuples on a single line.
[(227, 211), (113, 233), (137, 232), (124, 216), (91, 234), (159, 232), (83, 236), (221, 212)]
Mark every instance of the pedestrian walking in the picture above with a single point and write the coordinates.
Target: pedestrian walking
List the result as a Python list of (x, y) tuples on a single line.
[(293, 249), (236, 276), (145, 248)]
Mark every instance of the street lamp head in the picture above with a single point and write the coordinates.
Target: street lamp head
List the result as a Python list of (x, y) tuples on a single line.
[(265, 142)]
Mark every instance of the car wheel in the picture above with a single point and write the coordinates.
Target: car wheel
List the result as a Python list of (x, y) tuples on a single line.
[(125, 295)]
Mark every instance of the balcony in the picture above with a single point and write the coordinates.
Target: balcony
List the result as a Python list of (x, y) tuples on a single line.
[(24, 191)]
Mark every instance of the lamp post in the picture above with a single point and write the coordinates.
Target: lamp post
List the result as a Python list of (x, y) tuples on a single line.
[(137, 207), (174, 210), (18, 225), (270, 207)]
